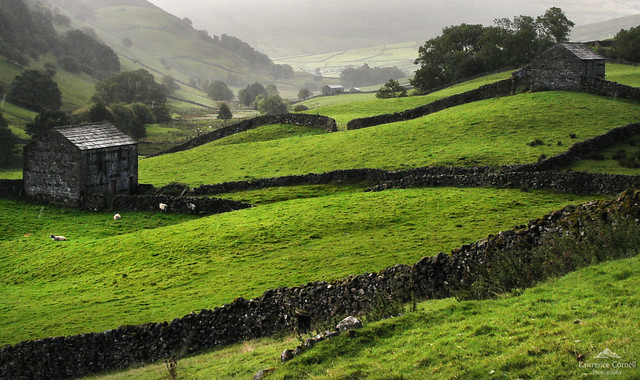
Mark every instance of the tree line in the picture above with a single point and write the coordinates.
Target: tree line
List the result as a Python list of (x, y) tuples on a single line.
[(26, 35), (469, 49)]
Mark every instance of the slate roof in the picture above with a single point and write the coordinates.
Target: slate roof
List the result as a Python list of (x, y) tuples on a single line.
[(95, 136), (582, 51)]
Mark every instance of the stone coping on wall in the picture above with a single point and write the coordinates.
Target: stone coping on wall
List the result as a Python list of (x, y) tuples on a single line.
[(279, 310)]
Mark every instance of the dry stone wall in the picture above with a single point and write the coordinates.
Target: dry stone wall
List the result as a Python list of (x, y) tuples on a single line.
[(283, 309), (317, 121)]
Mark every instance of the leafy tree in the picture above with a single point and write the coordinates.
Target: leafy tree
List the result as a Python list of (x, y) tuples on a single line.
[(125, 118), (170, 83), (225, 112), (465, 50), (219, 91), (81, 52), (366, 75), (8, 143), (130, 87), (555, 24), (98, 113), (272, 89), (391, 89), (282, 71), (270, 105), (45, 120), (248, 95), (304, 93), (36, 91), (626, 44)]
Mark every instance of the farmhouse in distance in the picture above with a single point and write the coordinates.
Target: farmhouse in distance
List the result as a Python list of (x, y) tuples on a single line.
[(68, 162)]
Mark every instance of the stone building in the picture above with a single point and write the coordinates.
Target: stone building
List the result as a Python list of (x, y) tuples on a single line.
[(562, 67), (332, 89), (68, 162)]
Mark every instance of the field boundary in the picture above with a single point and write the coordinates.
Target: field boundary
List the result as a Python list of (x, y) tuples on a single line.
[(317, 121), (301, 308), (501, 88)]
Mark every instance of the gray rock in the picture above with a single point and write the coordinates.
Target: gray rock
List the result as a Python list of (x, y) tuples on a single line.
[(286, 355), (349, 323), (263, 373)]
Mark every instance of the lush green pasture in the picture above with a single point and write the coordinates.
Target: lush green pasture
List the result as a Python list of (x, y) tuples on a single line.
[(623, 74), (491, 132), (155, 267), (347, 107), (538, 334)]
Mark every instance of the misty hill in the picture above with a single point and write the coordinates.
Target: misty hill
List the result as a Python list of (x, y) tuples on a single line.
[(145, 36), (603, 30)]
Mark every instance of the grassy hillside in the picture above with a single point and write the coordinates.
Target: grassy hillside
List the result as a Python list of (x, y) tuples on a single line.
[(155, 267), (501, 128), (536, 334)]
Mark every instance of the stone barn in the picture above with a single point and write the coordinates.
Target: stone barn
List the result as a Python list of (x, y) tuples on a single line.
[(332, 89), (562, 67), (68, 162)]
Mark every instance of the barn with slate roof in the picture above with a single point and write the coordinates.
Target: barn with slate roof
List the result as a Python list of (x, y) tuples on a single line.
[(562, 66), (68, 162)]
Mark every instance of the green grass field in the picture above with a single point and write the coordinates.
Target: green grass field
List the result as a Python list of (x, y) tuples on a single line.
[(537, 334), (151, 267), (501, 128)]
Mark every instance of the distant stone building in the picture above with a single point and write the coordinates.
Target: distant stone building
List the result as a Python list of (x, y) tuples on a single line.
[(68, 162), (562, 67), (332, 89)]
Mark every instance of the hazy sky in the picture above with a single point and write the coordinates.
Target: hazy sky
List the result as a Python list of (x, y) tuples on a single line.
[(263, 23)]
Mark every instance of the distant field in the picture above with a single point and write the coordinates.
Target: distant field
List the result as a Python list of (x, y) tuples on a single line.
[(331, 64), (528, 335), (501, 129), (156, 267)]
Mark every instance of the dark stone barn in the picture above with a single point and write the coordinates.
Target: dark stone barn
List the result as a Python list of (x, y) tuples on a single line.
[(562, 67), (68, 162)]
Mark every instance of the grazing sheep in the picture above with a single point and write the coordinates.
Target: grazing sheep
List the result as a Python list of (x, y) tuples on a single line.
[(117, 216), (163, 207), (191, 207), (58, 238)]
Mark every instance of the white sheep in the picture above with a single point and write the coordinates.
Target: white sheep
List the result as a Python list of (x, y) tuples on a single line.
[(58, 238), (163, 207), (117, 216), (191, 207)]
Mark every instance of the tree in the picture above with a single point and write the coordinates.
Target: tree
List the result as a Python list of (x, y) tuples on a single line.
[(171, 83), (465, 50), (272, 89), (626, 44), (391, 89), (555, 24), (45, 120), (225, 112), (270, 105), (36, 91), (98, 113), (304, 93), (219, 91), (8, 142), (130, 87), (248, 95)]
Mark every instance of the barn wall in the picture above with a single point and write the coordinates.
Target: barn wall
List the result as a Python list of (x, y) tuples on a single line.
[(101, 166), (560, 69), (51, 168)]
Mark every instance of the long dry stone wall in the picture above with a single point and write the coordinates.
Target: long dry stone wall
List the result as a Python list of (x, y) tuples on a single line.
[(317, 121), (283, 309), (502, 88)]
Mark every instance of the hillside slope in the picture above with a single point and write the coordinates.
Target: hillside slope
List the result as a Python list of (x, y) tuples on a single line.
[(144, 35)]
